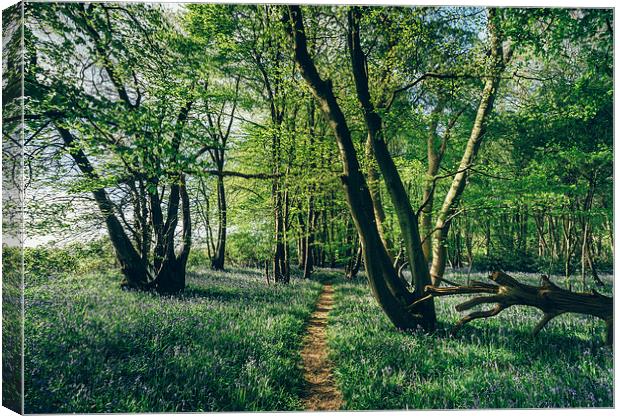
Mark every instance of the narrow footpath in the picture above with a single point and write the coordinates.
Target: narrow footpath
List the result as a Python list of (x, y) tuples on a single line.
[(321, 392)]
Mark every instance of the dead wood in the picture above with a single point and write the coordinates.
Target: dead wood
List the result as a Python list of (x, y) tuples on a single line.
[(505, 291)]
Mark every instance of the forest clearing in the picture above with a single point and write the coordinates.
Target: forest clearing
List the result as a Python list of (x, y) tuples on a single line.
[(227, 207), (231, 342)]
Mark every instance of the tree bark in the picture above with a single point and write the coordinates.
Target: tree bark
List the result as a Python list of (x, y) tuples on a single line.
[(485, 107), (549, 298), (217, 261), (586, 236), (136, 276), (385, 285), (171, 275), (434, 160), (354, 264), (407, 218), (375, 193)]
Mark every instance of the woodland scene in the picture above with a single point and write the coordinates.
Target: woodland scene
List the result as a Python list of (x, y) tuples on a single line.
[(235, 207)]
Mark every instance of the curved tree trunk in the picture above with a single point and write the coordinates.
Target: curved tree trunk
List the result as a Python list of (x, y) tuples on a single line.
[(407, 218), (451, 200), (136, 275), (375, 194), (551, 299), (384, 282)]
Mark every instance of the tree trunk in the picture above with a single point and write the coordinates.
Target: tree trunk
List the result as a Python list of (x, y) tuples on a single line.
[(586, 254), (286, 228), (549, 298), (485, 107), (280, 271), (375, 194), (217, 262), (383, 280), (568, 244), (487, 237), (309, 241), (311, 216), (539, 221), (136, 276), (434, 156), (407, 218), (354, 264)]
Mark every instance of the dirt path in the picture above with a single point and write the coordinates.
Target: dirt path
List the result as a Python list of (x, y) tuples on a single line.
[(321, 392)]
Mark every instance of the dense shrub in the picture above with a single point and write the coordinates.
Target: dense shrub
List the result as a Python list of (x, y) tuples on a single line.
[(198, 257), (248, 248), (44, 262)]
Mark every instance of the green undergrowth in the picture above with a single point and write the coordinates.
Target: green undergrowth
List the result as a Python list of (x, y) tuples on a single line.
[(230, 342), (490, 363)]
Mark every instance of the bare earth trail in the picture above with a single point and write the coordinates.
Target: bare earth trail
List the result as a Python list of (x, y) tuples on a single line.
[(321, 392)]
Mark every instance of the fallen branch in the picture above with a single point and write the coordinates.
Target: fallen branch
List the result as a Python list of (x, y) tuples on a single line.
[(506, 291)]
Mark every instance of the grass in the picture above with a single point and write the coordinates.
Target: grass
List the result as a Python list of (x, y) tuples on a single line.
[(11, 329), (491, 363), (229, 343)]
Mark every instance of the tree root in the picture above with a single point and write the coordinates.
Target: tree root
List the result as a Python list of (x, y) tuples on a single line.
[(506, 291)]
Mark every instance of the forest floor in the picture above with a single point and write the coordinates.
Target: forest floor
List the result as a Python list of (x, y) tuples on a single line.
[(231, 342), (321, 392)]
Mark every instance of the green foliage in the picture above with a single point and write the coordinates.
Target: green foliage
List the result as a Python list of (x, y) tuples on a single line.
[(12, 327), (44, 263), (249, 247), (121, 77)]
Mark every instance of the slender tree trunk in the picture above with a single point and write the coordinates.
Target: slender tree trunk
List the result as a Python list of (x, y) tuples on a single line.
[(586, 255), (485, 107), (286, 229), (539, 221), (309, 240), (217, 262), (434, 160), (279, 259), (556, 248), (302, 236), (280, 270), (469, 245), (332, 231), (610, 232), (311, 215), (375, 193), (568, 247), (355, 262), (487, 237)]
